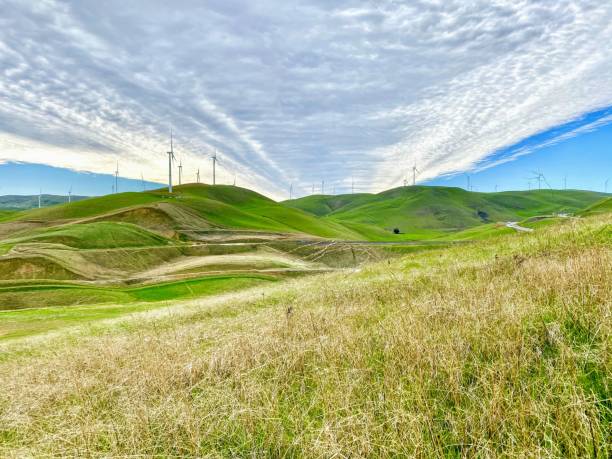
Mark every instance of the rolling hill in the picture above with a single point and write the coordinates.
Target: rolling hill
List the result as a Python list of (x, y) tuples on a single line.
[(600, 207), (195, 206), (69, 254), (421, 211)]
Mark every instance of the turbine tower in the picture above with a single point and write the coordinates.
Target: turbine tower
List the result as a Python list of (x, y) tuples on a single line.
[(414, 174), (117, 178), (214, 160), (180, 168), (70, 195), (291, 191), (142, 181), (170, 159), (198, 176), (537, 175), (39, 198), (606, 185)]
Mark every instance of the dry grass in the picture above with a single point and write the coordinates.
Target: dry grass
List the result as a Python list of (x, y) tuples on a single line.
[(500, 348)]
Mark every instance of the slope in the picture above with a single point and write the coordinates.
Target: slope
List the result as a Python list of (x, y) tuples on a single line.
[(492, 349), (422, 208), (219, 206), (601, 207)]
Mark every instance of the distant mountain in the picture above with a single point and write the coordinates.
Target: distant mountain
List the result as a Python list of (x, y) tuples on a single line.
[(419, 210), (24, 202)]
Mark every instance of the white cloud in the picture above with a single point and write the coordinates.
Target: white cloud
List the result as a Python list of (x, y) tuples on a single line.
[(295, 91)]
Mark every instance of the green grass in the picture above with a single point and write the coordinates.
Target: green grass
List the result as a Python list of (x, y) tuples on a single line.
[(27, 309), (416, 209), (601, 207), (479, 232), (493, 348), (39, 295), (97, 235), (418, 212), (7, 214), (220, 205)]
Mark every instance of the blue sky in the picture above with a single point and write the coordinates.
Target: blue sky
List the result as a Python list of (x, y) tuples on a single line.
[(300, 91)]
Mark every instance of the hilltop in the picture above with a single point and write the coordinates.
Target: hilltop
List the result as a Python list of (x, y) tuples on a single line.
[(191, 207)]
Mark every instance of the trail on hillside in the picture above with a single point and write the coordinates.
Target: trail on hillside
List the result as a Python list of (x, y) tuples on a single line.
[(517, 227)]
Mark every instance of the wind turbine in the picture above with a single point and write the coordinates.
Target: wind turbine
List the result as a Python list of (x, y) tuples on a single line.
[(469, 187), (414, 174), (171, 158), (70, 195), (117, 178), (291, 191), (234, 179), (606, 185), (180, 168), (142, 181), (538, 176), (39, 198), (352, 184), (322, 186), (198, 176), (214, 160)]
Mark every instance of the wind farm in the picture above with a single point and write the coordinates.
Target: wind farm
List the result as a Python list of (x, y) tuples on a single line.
[(305, 229)]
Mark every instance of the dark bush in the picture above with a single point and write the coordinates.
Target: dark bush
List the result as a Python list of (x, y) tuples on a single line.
[(396, 231)]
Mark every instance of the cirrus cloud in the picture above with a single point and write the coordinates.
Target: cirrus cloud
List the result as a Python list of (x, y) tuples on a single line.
[(296, 91)]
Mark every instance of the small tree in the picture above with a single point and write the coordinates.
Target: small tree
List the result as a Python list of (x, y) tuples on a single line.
[(396, 231)]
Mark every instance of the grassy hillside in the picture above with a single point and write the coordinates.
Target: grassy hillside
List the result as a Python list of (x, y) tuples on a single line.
[(23, 202), (418, 208), (600, 207), (494, 348), (96, 235), (220, 206), (6, 214)]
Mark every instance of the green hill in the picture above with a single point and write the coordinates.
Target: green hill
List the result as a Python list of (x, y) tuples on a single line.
[(198, 206), (419, 210), (94, 235), (601, 207)]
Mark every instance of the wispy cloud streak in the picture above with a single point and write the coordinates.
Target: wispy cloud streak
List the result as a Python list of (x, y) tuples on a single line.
[(299, 91)]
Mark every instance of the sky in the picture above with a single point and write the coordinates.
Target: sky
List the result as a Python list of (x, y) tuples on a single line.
[(301, 92)]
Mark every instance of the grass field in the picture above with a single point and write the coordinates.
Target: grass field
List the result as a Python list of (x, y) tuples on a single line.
[(98, 235), (62, 305), (601, 207), (499, 347)]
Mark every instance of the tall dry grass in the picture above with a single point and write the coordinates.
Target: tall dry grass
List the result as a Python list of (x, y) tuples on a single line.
[(500, 348)]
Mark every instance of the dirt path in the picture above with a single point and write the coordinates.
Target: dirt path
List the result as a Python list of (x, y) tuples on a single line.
[(515, 226)]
